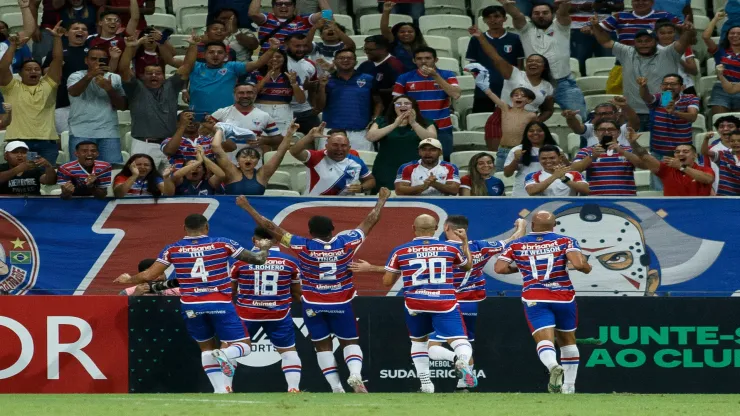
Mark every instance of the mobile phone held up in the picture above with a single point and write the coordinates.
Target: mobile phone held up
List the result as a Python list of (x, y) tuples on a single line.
[(327, 14), (665, 98)]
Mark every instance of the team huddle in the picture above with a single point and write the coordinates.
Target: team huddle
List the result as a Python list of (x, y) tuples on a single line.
[(442, 278)]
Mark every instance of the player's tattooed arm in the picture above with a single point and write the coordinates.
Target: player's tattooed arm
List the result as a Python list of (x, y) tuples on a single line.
[(275, 231), (374, 216), (253, 258)]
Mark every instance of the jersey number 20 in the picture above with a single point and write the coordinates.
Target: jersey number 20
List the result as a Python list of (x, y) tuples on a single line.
[(437, 271)]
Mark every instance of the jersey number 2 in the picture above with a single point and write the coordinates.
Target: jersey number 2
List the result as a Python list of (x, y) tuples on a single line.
[(199, 270), (533, 264)]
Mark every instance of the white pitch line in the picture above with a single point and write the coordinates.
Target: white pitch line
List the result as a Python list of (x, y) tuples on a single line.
[(152, 399)]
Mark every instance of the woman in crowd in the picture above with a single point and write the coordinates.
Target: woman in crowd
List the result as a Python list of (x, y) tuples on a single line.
[(245, 178), (404, 37), (80, 11), (199, 177), (398, 134), (523, 159), (276, 87), (139, 177), (722, 101), (480, 181)]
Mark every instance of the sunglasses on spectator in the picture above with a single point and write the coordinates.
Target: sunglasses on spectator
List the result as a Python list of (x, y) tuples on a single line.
[(283, 4)]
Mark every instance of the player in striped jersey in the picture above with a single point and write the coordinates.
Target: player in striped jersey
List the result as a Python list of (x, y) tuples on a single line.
[(263, 296), (642, 17), (328, 289), (543, 258), (202, 270), (728, 163)]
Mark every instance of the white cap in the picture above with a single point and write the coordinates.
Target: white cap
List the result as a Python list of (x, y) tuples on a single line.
[(11, 146), (431, 142)]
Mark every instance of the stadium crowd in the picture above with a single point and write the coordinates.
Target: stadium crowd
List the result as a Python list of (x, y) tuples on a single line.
[(117, 98)]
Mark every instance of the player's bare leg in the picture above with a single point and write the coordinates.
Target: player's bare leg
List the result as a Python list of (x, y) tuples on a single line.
[(328, 364), (291, 364), (234, 350), (569, 358), (212, 367), (463, 352), (420, 357), (546, 351), (353, 359)]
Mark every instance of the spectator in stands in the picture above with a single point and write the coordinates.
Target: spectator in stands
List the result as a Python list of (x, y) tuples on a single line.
[(627, 24), (550, 37), (617, 109), (336, 170), (7, 116), (282, 21), (383, 66), (218, 31), (398, 134), (20, 176), (333, 39), (276, 88), (183, 145), (241, 39), (679, 8), (523, 159), (127, 12), (644, 60), (726, 54), (32, 98), (610, 166), (428, 176), (22, 54), (507, 48), (245, 178), (86, 176), (42, 39), (724, 125), (681, 175), (413, 8), (554, 179), (198, 177), (153, 52), (671, 122), (435, 95), (296, 48), (727, 172), (244, 114), (75, 55), (404, 37), (665, 30), (95, 95), (582, 44), (139, 176), (349, 100), (109, 24), (153, 101), (145, 289), (480, 181), (80, 11)]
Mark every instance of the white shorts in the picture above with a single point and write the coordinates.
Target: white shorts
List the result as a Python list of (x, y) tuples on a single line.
[(357, 139), (61, 119), (281, 113)]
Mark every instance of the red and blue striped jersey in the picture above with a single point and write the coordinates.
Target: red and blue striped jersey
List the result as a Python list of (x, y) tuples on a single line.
[(187, 150), (609, 174), (427, 269), (202, 267), (277, 90), (541, 259), (730, 60), (264, 289), (729, 173), (669, 130), (324, 266), (434, 103), (627, 24), (299, 24), (470, 285), (75, 173)]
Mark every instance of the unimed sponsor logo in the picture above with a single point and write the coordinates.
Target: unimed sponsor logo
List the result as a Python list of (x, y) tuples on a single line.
[(437, 369)]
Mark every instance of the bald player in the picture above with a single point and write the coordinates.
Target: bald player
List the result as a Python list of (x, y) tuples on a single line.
[(542, 257), (426, 266)]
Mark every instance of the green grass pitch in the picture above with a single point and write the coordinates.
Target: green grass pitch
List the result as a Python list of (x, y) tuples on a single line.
[(379, 404)]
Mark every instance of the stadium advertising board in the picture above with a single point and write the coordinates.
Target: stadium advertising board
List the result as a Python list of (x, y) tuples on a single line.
[(638, 247), (63, 344)]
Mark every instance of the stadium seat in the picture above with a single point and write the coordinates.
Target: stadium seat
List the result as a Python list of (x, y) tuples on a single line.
[(699, 7), (184, 8), (644, 139), (449, 64), (370, 24), (266, 6), (649, 194), (51, 190), (280, 180), (463, 105), (716, 116), (462, 47), (365, 7), (701, 22), (114, 172), (476, 121), (14, 21), (162, 21), (463, 172), (125, 156), (573, 144), (594, 100), (436, 7), (711, 67), (700, 125), (467, 83), (345, 21), (699, 139), (574, 68), (2, 140), (160, 7), (64, 138), (289, 164), (280, 192), (592, 85), (193, 21), (462, 159), (359, 43), (599, 66), (453, 118), (642, 178), (368, 157), (179, 42), (468, 140), (442, 44), (508, 182), (300, 182), (451, 26), (62, 157), (705, 85), (124, 126)]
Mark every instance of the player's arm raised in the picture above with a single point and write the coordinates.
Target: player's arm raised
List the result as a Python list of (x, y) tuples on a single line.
[(374, 216), (148, 275), (278, 233), (254, 258), (520, 230), (579, 262), (460, 232)]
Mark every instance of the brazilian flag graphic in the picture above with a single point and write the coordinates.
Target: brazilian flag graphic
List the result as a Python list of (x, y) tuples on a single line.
[(20, 257)]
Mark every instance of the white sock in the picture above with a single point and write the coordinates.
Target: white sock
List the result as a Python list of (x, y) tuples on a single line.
[(461, 383), (213, 371), (546, 351), (229, 381), (420, 357), (569, 357), (236, 350), (329, 367), (292, 368), (439, 352), (353, 358), (463, 349)]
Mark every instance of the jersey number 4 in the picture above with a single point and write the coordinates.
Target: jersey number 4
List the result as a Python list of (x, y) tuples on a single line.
[(437, 268), (199, 270), (533, 264)]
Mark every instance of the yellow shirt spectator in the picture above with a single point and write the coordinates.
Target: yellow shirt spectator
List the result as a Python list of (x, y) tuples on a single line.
[(33, 109)]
